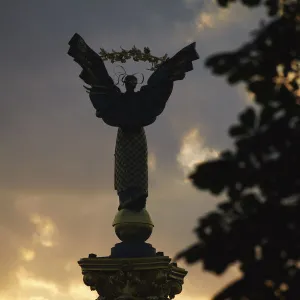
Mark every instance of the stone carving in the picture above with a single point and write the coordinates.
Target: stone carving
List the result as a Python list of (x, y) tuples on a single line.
[(144, 278)]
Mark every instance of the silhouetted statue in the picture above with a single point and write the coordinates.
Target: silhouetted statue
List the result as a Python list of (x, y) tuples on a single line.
[(130, 112)]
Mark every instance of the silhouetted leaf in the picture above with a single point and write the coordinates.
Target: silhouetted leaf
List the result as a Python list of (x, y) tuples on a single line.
[(266, 115), (237, 130), (208, 175), (191, 255), (227, 155), (225, 206), (248, 118), (250, 204), (251, 2), (272, 5), (235, 77), (223, 3)]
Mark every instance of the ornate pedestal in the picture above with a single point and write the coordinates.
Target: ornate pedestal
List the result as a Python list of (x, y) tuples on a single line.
[(134, 270)]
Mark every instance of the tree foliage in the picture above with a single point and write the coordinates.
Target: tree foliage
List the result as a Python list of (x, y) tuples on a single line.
[(258, 225)]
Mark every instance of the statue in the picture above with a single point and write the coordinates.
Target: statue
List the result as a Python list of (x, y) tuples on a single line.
[(134, 269), (130, 112)]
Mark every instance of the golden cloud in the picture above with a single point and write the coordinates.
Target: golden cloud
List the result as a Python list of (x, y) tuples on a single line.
[(211, 16), (27, 280), (152, 162), (194, 151), (45, 230), (27, 254), (45, 290)]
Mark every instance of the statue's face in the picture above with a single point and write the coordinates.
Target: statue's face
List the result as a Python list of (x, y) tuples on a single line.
[(130, 82)]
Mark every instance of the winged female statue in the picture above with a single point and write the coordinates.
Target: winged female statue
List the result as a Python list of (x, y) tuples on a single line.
[(130, 112)]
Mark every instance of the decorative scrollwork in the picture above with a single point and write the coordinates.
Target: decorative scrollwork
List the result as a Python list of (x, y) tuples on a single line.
[(131, 283)]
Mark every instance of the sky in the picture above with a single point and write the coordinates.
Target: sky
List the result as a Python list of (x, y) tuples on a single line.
[(57, 200)]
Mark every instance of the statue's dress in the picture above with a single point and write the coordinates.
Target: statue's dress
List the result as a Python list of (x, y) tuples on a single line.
[(130, 112), (131, 165)]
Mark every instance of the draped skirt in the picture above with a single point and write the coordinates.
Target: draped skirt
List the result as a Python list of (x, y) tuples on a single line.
[(131, 160)]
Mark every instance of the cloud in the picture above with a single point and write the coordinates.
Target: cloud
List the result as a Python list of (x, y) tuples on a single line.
[(194, 151), (213, 15), (45, 230), (27, 254), (34, 288), (27, 280), (216, 25), (152, 162)]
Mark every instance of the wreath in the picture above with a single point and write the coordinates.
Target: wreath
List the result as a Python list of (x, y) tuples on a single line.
[(134, 53)]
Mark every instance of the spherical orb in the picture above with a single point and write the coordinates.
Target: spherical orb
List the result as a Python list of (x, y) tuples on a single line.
[(131, 226)]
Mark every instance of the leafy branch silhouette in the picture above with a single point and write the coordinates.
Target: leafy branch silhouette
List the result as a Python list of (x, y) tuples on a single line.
[(258, 225)]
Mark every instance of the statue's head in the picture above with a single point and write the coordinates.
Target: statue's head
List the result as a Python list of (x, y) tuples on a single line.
[(130, 82)]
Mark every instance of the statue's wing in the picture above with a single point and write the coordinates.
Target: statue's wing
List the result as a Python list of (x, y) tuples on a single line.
[(93, 72), (160, 84), (102, 89), (175, 67)]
